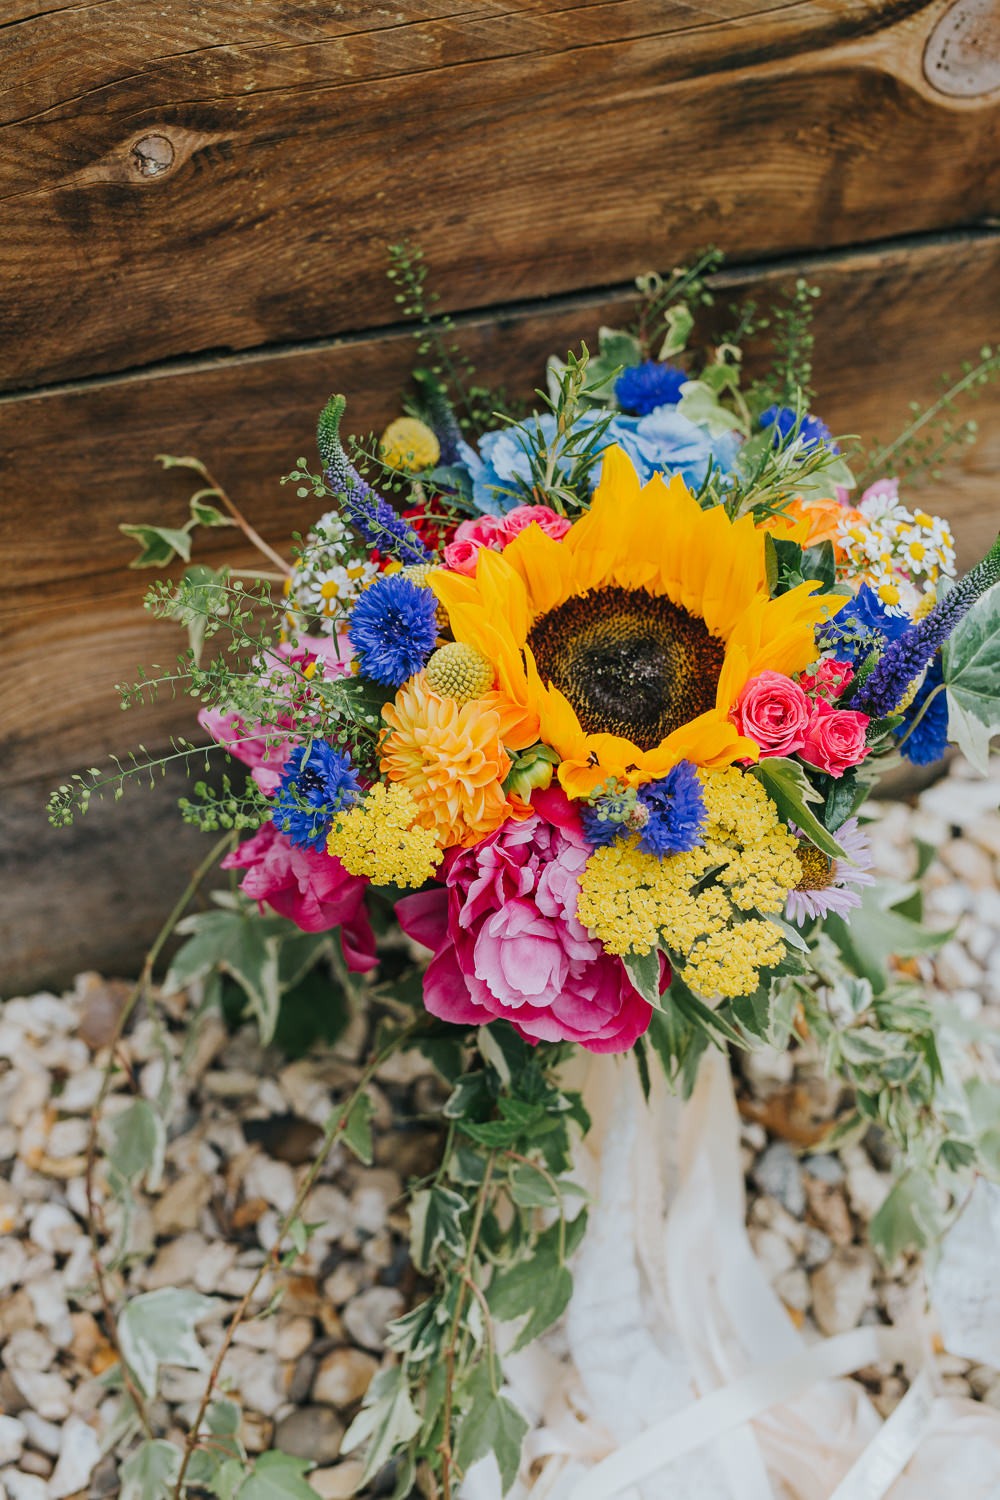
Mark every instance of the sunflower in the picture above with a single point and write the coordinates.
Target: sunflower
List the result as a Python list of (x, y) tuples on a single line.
[(625, 644)]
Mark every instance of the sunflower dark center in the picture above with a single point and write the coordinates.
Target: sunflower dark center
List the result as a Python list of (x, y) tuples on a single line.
[(817, 868), (630, 663)]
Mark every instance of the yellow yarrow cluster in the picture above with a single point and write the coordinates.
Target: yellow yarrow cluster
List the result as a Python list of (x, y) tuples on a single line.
[(377, 838), (410, 445), (630, 898)]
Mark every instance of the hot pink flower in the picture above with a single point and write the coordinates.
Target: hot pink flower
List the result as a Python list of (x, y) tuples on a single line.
[(250, 742), (309, 887), (470, 537), (773, 711), (460, 557), (516, 520), (836, 739), (827, 680), (507, 943)]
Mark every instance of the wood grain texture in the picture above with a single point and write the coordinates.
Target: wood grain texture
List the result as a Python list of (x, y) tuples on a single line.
[(220, 174)]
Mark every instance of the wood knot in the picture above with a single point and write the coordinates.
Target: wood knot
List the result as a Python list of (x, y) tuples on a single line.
[(152, 155), (962, 56)]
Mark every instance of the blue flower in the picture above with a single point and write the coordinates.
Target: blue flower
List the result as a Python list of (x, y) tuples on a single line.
[(661, 442), (393, 629), (317, 780), (860, 626), (668, 815), (929, 740), (641, 388), (676, 808), (811, 430)]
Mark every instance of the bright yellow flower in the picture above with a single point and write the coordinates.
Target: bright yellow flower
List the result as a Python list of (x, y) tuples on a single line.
[(449, 757), (628, 641), (410, 445), (378, 838)]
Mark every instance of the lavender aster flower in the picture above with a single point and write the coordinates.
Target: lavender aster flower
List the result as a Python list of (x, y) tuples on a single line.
[(393, 629), (830, 885), (373, 518), (905, 659), (642, 388)]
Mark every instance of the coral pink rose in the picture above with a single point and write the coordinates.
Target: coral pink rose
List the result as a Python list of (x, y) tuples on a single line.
[(773, 711), (507, 943), (309, 887), (836, 739), (470, 537), (516, 520), (828, 679), (461, 557)]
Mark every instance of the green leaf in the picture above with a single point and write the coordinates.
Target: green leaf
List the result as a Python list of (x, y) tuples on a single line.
[(151, 1471), (877, 931), (157, 1328), (532, 1188), (228, 1478), (138, 1139), (358, 1129), (490, 1424), (240, 944), (436, 1220), (908, 1216), (680, 321), (970, 663), (538, 1287), (160, 544), (643, 969), (699, 1014), (202, 599), (386, 1422), (790, 789), (208, 515), (699, 404), (277, 1476)]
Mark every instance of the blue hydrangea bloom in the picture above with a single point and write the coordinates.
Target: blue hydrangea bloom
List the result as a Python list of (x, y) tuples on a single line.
[(661, 442), (929, 740), (321, 778), (642, 388), (676, 807), (812, 430), (393, 629)]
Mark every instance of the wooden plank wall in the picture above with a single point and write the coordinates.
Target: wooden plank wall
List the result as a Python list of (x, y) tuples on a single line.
[(194, 205)]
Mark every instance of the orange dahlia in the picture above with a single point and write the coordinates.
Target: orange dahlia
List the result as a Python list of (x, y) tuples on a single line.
[(449, 757)]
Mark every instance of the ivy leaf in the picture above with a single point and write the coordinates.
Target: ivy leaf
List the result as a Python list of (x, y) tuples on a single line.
[(436, 1220), (277, 1476), (490, 1424), (538, 1287), (387, 1421), (358, 1129), (201, 599), (970, 663), (151, 1472), (138, 1139), (680, 321), (643, 969), (205, 514), (700, 405), (160, 545), (908, 1217), (227, 1479), (878, 930), (242, 945), (157, 1328), (790, 789)]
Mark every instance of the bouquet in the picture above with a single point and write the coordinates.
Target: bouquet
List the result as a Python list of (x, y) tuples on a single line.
[(560, 726)]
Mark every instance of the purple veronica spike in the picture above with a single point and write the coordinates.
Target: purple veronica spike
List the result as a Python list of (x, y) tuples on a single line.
[(372, 517), (905, 658)]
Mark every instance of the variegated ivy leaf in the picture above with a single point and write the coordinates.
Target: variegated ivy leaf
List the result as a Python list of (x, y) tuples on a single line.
[(158, 1328), (489, 1424), (277, 1476), (971, 669), (151, 1471), (386, 1422), (436, 1221), (138, 1138), (241, 944)]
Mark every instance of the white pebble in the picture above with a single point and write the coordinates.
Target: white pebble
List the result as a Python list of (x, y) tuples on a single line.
[(81, 1452), (274, 1181), (54, 1228), (12, 1436), (21, 1486)]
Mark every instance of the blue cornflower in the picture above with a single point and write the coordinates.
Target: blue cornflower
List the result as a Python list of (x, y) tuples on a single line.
[(316, 782), (393, 629), (667, 815), (929, 740), (642, 388), (860, 626), (676, 808), (811, 429)]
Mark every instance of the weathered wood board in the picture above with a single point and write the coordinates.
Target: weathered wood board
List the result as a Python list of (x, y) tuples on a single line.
[(195, 202)]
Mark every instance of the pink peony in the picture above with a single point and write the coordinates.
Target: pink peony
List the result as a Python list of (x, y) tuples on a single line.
[(773, 711), (516, 520), (507, 943), (309, 887), (250, 742), (827, 680), (836, 739)]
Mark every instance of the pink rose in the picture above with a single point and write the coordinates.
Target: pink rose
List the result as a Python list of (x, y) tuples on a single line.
[(507, 943), (470, 537), (773, 711), (516, 520), (484, 531), (827, 680), (461, 557), (836, 739), (309, 887)]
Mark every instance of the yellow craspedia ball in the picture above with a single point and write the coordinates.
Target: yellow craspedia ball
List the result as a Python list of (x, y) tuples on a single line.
[(459, 672), (409, 445)]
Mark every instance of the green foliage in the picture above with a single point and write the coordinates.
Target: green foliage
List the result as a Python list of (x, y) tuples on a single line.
[(935, 431), (789, 382), (239, 944), (151, 1471), (793, 794), (878, 930), (277, 1476), (971, 673), (669, 304), (358, 1128), (138, 1139), (158, 1328)]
